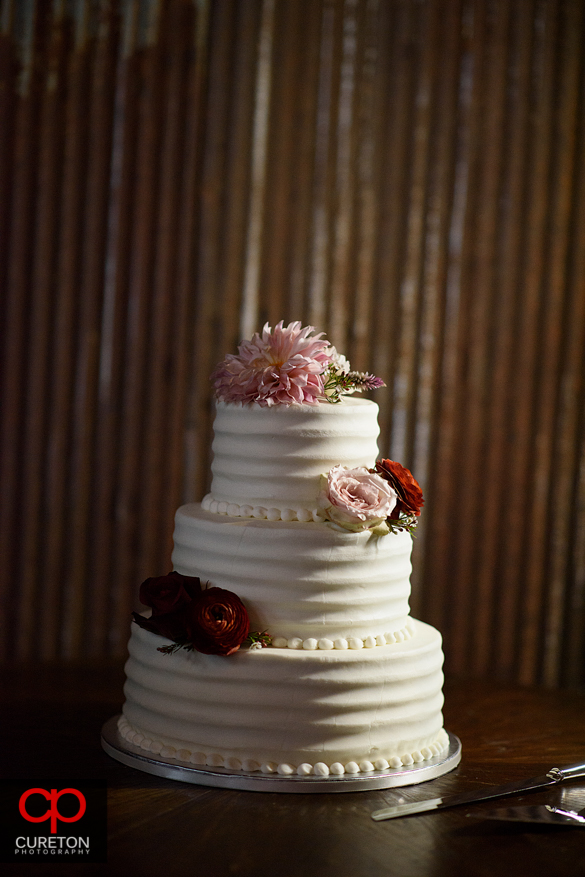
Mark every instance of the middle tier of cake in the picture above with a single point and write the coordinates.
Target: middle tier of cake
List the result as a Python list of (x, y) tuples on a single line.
[(310, 585)]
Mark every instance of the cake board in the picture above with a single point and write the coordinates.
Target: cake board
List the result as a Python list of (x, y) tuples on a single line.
[(133, 756)]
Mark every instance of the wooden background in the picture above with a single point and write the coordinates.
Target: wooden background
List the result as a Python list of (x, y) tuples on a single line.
[(408, 175)]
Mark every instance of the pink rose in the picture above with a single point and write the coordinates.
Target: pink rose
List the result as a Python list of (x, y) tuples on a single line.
[(356, 498)]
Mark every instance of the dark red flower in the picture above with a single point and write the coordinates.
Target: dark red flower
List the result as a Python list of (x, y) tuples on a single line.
[(171, 625), (216, 622), (410, 497), (169, 593), (213, 621)]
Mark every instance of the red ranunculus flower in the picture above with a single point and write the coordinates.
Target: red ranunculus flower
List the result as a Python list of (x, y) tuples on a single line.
[(169, 593), (410, 497), (216, 622)]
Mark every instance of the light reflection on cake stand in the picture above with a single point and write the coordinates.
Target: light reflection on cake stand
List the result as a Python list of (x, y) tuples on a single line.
[(133, 756)]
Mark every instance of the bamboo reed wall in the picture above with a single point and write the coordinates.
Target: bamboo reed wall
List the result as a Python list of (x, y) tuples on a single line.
[(408, 175)]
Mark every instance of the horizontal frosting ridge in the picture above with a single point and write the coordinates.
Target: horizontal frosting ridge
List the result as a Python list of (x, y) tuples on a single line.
[(300, 580), (272, 458), (201, 758), (285, 706)]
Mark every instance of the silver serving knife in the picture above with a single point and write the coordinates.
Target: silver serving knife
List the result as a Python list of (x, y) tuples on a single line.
[(551, 778)]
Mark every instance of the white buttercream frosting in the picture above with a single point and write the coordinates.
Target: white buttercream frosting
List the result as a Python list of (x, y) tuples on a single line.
[(301, 581), (267, 461), (289, 711)]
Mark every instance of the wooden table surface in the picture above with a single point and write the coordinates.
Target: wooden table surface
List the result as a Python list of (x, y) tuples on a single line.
[(51, 725)]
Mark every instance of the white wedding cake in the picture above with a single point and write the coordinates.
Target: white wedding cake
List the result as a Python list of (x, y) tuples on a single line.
[(287, 643)]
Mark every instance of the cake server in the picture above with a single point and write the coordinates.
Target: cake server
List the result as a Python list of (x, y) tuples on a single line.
[(541, 813), (551, 778)]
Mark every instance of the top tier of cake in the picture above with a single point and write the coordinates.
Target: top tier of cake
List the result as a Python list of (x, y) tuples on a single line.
[(267, 462)]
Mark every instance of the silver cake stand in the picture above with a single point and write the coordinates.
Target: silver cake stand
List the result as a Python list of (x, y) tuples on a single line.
[(132, 756)]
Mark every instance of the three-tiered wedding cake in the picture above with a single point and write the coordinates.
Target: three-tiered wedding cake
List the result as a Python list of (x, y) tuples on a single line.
[(303, 540)]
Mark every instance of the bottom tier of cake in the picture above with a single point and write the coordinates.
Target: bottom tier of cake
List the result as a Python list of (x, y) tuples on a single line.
[(288, 710)]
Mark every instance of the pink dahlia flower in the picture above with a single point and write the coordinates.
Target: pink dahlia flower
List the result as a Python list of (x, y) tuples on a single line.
[(282, 366)]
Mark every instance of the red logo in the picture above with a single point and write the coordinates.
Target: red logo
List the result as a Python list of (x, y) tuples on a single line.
[(53, 811)]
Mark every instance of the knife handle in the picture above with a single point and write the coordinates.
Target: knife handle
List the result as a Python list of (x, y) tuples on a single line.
[(571, 771)]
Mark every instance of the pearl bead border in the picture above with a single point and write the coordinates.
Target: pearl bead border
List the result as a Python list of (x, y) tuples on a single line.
[(343, 643), (234, 510), (305, 769)]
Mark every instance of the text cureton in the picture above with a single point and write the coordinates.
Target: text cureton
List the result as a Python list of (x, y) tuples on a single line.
[(52, 843)]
